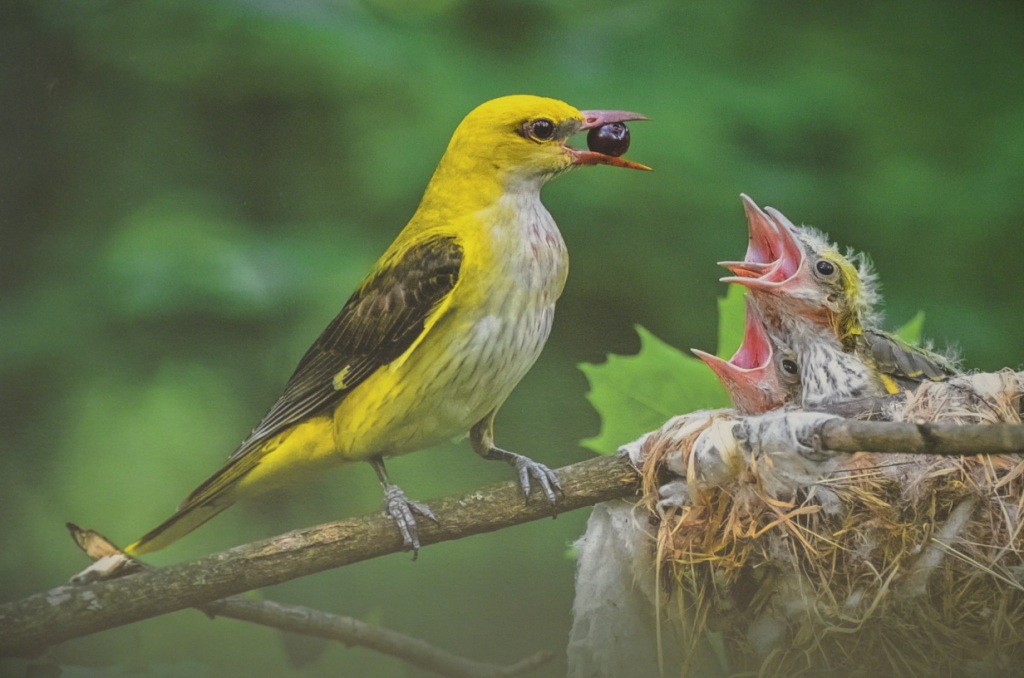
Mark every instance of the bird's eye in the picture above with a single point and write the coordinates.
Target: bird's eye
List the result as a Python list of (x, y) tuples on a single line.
[(825, 267), (541, 129), (789, 366)]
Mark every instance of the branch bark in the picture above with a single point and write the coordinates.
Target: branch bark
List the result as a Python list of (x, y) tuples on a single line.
[(847, 435), (306, 621), (110, 562), (30, 625)]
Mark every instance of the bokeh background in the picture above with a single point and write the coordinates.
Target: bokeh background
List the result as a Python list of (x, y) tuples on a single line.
[(190, 190)]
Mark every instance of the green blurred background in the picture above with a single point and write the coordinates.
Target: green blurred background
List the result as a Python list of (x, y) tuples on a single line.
[(190, 190)]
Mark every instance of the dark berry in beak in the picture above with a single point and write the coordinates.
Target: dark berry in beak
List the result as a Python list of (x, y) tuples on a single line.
[(611, 139)]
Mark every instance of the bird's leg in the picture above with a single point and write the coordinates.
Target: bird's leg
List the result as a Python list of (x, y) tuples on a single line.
[(481, 437), (400, 508)]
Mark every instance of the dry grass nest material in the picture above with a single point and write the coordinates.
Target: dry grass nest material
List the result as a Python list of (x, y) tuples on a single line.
[(920, 571)]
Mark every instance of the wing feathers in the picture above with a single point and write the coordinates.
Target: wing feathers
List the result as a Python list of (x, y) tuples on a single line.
[(378, 324), (905, 362)]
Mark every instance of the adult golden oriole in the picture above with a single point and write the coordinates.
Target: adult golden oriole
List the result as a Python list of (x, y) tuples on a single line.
[(442, 329)]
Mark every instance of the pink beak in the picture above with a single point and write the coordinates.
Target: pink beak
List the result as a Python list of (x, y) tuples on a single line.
[(749, 376), (762, 246), (774, 255)]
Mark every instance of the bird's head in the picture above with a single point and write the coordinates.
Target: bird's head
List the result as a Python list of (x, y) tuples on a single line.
[(795, 270), (762, 375), (523, 138)]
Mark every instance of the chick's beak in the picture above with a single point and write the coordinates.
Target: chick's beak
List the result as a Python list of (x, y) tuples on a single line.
[(748, 376), (774, 255), (763, 243), (764, 237), (595, 119)]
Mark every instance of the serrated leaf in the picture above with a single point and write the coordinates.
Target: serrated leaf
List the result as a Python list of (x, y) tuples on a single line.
[(732, 320), (636, 394), (913, 329)]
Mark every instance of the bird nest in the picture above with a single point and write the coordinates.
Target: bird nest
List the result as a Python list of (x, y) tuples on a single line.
[(891, 565)]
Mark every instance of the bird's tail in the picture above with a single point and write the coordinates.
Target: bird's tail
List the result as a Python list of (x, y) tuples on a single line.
[(205, 502), (184, 520)]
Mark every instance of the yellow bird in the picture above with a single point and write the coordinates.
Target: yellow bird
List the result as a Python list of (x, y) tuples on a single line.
[(435, 338)]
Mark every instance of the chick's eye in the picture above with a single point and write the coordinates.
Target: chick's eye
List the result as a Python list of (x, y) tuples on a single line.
[(542, 129), (825, 267), (789, 366)]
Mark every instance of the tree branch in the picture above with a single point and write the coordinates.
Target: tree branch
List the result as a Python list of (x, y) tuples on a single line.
[(109, 562), (847, 435), (30, 625), (306, 621)]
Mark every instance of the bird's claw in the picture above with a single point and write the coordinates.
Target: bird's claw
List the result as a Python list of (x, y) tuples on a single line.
[(529, 471), (401, 509)]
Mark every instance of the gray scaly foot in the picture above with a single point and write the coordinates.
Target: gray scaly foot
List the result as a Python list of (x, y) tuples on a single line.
[(529, 472)]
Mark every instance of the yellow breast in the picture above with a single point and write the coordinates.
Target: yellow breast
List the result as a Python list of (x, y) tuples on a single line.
[(490, 332)]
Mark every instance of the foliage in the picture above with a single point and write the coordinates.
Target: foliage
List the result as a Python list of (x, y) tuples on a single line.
[(191, 190), (636, 394), (913, 329)]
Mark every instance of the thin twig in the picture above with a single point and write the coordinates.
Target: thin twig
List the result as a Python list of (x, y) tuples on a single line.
[(310, 622)]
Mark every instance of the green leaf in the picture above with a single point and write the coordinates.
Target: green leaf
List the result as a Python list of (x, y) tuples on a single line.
[(911, 332), (636, 394), (732, 320)]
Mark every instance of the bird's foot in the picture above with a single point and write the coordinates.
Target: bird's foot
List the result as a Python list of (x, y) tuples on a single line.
[(402, 510), (529, 472)]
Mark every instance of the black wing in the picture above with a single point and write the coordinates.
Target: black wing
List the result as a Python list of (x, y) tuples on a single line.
[(905, 363), (377, 325)]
